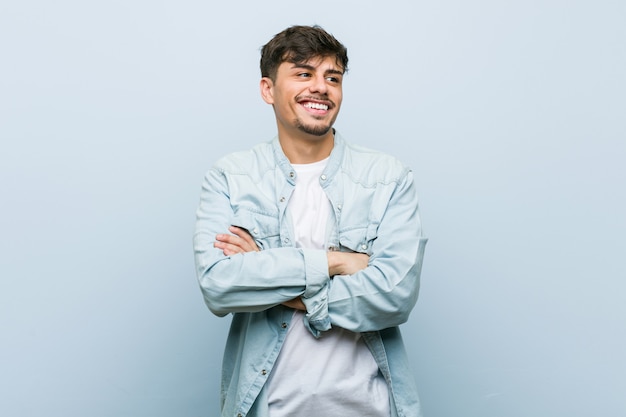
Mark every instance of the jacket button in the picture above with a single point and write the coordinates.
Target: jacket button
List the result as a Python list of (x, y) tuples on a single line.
[(263, 372), (323, 177), (282, 199), (364, 246), (283, 325)]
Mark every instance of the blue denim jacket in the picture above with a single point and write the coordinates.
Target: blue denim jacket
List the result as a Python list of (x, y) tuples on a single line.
[(374, 211)]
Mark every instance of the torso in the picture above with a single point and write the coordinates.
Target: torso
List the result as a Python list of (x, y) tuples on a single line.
[(335, 374)]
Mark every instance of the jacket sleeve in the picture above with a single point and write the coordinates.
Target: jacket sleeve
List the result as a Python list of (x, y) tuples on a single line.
[(252, 281), (383, 294)]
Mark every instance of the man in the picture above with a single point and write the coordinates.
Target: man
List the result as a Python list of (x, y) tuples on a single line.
[(315, 246)]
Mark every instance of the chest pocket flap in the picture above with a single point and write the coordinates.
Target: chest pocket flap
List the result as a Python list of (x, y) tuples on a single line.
[(263, 228), (358, 239)]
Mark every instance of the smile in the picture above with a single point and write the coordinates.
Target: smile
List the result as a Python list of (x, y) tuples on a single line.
[(316, 106)]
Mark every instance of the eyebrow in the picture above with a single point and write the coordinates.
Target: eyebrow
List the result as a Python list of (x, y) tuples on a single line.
[(312, 68)]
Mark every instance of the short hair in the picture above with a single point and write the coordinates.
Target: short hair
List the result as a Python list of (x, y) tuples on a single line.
[(298, 44)]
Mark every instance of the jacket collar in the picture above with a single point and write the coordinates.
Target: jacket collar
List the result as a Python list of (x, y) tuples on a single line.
[(334, 162)]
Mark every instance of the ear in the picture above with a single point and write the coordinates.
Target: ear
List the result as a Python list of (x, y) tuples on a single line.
[(267, 90)]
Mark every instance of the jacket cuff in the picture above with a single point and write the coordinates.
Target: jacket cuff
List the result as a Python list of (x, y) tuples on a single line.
[(315, 296)]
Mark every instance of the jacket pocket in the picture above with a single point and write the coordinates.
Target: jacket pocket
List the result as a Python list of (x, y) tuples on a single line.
[(358, 239), (263, 228)]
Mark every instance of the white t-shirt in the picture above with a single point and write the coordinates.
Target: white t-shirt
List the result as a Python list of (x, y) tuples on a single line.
[(335, 375)]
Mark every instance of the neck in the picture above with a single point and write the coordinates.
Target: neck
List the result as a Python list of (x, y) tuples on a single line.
[(306, 149)]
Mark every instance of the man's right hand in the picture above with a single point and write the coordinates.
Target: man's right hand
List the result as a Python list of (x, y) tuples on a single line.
[(239, 242), (346, 263)]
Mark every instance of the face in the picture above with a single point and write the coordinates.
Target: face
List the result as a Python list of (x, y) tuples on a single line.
[(306, 97)]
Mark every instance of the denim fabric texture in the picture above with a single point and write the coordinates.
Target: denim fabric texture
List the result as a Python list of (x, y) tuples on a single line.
[(374, 211)]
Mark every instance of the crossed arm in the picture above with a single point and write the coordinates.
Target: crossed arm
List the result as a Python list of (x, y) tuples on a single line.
[(339, 263)]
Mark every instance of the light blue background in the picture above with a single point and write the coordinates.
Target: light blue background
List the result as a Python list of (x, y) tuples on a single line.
[(512, 115)]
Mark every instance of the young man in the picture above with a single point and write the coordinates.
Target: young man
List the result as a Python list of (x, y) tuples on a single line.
[(315, 246)]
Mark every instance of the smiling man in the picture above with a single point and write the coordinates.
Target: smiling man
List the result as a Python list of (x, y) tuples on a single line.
[(315, 247)]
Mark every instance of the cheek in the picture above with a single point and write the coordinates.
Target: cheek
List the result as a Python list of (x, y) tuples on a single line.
[(338, 102), (338, 97)]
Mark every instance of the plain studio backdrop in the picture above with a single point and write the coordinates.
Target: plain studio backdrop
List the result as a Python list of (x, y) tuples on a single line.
[(512, 115)]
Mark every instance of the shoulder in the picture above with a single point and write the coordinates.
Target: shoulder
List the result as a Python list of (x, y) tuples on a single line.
[(258, 158), (370, 166)]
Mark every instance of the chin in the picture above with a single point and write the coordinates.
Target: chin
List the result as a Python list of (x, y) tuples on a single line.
[(315, 130)]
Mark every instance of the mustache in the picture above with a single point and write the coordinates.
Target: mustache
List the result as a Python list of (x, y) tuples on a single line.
[(321, 98)]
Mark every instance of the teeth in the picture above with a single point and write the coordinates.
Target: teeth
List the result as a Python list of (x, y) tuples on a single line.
[(317, 106)]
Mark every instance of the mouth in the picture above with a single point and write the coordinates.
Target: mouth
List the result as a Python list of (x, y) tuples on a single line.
[(315, 106)]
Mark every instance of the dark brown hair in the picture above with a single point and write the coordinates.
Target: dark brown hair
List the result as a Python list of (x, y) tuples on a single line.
[(299, 44)]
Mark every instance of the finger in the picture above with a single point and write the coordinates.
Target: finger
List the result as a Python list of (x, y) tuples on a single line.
[(250, 244), (229, 252), (227, 248), (232, 240), (222, 237), (236, 243)]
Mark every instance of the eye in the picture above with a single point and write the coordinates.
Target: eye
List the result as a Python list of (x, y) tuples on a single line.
[(335, 80), (304, 75)]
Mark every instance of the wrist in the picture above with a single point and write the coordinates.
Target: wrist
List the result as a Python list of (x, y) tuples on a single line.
[(334, 263)]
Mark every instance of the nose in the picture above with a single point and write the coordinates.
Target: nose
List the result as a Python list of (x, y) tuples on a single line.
[(318, 85)]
